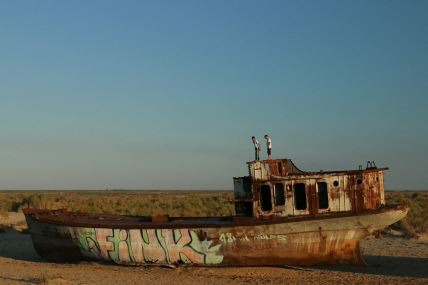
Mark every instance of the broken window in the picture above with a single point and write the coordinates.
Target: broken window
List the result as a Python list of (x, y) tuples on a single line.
[(322, 195), (265, 198), (300, 196), (279, 194)]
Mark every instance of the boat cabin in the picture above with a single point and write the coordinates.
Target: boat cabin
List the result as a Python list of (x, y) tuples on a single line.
[(277, 188)]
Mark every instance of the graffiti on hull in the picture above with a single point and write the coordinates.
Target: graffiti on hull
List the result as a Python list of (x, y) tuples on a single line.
[(145, 246)]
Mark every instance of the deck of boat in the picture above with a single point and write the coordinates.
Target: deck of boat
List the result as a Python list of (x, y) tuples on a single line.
[(77, 219)]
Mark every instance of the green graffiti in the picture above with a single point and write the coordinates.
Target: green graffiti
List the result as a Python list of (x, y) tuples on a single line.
[(87, 242), (163, 246)]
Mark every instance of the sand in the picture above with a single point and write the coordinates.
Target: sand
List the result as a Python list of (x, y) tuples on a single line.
[(391, 260)]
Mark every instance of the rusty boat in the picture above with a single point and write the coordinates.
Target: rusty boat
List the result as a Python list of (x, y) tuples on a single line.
[(284, 216)]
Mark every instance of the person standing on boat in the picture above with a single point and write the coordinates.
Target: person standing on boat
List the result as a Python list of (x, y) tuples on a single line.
[(256, 147), (269, 146)]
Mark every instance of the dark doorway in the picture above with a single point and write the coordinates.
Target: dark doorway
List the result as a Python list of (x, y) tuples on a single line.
[(300, 196), (279, 194), (265, 198), (322, 195)]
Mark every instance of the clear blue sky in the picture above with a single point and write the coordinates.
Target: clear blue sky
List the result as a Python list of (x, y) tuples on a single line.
[(166, 94)]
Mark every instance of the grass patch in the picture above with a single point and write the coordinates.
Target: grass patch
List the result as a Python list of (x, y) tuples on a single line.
[(416, 221), (144, 203)]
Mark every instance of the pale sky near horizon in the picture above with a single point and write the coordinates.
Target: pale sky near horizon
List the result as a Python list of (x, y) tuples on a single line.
[(167, 94)]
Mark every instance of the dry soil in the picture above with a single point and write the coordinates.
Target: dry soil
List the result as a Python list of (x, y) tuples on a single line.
[(391, 260)]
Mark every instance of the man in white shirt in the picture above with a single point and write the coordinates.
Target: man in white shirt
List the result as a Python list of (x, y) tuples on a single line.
[(256, 147), (269, 146)]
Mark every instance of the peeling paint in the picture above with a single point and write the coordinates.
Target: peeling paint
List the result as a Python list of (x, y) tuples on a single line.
[(288, 233)]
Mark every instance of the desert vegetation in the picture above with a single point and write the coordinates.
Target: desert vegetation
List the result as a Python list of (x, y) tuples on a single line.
[(416, 221), (173, 203), (180, 203)]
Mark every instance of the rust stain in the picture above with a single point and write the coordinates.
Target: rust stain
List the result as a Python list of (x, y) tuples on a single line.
[(294, 229)]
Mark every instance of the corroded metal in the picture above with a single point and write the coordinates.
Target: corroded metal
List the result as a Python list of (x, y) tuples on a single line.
[(216, 242), (348, 190), (341, 207)]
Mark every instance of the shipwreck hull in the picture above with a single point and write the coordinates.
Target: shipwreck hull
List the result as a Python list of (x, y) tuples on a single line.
[(223, 241)]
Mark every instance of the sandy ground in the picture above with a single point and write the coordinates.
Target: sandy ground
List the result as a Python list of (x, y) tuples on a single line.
[(390, 261)]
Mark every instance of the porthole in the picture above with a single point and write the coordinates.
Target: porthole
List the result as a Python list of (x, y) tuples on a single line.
[(336, 183), (359, 181)]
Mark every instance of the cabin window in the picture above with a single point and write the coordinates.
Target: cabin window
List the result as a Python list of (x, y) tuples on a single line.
[(336, 183), (359, 181), (280, 168), (300, 196), (279, 194), (265, 198), (322, 195)]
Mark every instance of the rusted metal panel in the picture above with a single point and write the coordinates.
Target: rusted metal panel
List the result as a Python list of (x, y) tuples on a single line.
[(351, 190), (334, 194), (259, 171), (381, 187), (294, 231), (313, 201), (298, 241), (242, 187), (264, 169), (347, 205), (289, 200)]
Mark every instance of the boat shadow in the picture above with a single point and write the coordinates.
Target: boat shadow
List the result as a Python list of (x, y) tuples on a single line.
[(17, 245), (400, 266)]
